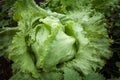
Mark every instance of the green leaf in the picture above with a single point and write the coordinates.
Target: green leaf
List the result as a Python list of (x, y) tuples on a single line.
[(70, 74), (51, 76), (91, 39), (94, 76), (20, 55), (22, 76), (6, 36)]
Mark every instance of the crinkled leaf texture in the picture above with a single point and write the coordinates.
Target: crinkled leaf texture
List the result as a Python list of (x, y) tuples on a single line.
[(56, 46), (94, 76)]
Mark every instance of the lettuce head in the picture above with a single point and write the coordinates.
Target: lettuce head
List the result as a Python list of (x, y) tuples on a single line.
[(64, 40)]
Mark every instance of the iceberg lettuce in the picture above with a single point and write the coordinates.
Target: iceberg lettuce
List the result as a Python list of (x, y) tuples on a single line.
[(50, 44)]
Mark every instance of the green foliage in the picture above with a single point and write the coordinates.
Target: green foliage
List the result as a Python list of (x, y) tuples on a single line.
[(6, 21), (60, 39), (6, 35), (70, 74), (113, 20), (94, 76), (114, 79), (6, 13), (78, 40), (102, 5), (22, 76)]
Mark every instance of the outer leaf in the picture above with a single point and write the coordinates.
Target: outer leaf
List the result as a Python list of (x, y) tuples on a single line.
[(94, 76), (6, 36), (92, 40), (51, 76), (70, 74), (20, 55), (22, 76)]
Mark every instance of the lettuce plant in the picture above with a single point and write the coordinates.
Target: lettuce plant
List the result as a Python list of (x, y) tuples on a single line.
[(64, 39)]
